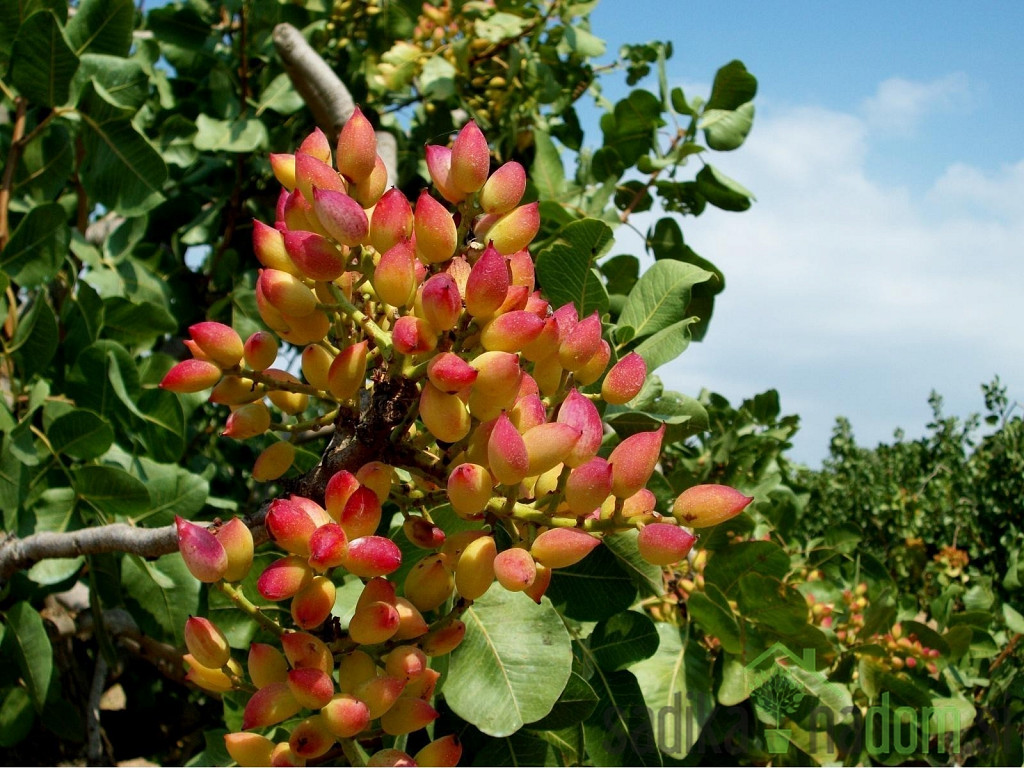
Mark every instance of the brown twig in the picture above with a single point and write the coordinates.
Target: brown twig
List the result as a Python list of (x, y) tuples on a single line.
[(13, 155)]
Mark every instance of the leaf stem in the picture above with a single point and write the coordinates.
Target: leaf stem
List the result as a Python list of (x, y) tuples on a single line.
[(244, 604)]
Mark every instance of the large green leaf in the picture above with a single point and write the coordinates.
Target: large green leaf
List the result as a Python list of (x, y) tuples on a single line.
[(38, 246), (619, 731), (666, 345), (42, 61), (46, 163), (726, 566), (629, 128), (102, 26), (727, 129), (120, 170), (124, 80), (573, 706), (733, 87), (173, 490), (776, 606), (16, 717), (622, 640), (111, 490), (722, 191), (677, 687), (594, 588), (518, 749), (648, 577), (31, 649), (512, 665), (715, 619), (37, 337), (547, 172), (565, 268), (242, 135), (81, 434), (660, 296), (165, 590)]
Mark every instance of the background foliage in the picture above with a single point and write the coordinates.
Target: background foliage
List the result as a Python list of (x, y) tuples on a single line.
[(134, 161)]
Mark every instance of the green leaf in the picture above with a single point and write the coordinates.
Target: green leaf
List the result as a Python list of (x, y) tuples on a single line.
[(32, 651), (629, 128), (619, 731), (595, 588), (679, 103), (646, 576), (771, 603), (726, 566), (622, 272), (42, 62), (102, 26), (725, 129), (499, 26), (721, 191), (565, 268), (520, 748), (121, 170), (677, 687), (81, 434), (584, 43), (173, 490), (1014, 621), (547, 172), (37, 247), (684, 416), (45, 166), (241, 135), (715, 620), (136, 323), (280, 96), (660, 297), (733, 87), (573, 706), (666, 345), (36, 339), (493, 680), (16, 717), (111, 490), (165, 590), (620, 641), (123, 80)]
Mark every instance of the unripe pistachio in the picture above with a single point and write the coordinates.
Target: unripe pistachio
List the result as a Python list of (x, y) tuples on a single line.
[(487, 284), (390, 758), (439, 164), (305, 330), (213, 680), (342, 217), (311, 738), (316, 364), (248, 749), (313, 604), (581, 343), (422, 687), (299, 216), (545, 344), (369, 190), (562, 547), (436, 233), (340, 487), (458, 269), (705, 505), (362, 513), (443, 639), (594, 367), (497, 384), (347, 373), (528, 412), (475, 570), (440, 753), (236, 538), (476, 449), (311, 173), (260, 350), (356, 153), (284, 757), (284, 578), (566, 318), (374, 623), (443, 414), (547, 482), (441, 301), (290, 526), (540, 584), (394, 278), (191, 376), (515, 569), (289, 402), (345, 715), (370, 556), (270, 705), (588, 486), (316, 256), (516, 229), (220, 343), (203, 554), (515, 300), (469, 490), (376, 590), (547, 445), (578, 411), (633, 461), (317, 145), (391, 221), (354, 669), (303, 650), (206, 642), (380, 694), (664, 544), (625, 380), (196, 351), (236, 390), (506, 453), (406, 662), (269, 314), (311, 687), (377, 476), (423, 533), (266, 665), (411, 621), (413, 335), (640, 503), (471, 159), (450, 373), (537, 304), (511, 331), (504, 189), (283, 167), (429, 583), (407, 715), (548, 373), (286, 293)]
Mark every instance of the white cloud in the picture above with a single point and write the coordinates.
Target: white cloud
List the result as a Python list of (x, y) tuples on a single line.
[(856, 297), (899, 105)]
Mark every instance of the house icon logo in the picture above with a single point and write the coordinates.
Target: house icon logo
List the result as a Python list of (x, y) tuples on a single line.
[(778, 681)]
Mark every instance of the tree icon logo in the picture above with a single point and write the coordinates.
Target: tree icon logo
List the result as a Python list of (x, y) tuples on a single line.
[(777, 696)]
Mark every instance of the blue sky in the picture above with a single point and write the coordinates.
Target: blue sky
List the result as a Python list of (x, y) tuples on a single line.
[(883, 258)]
